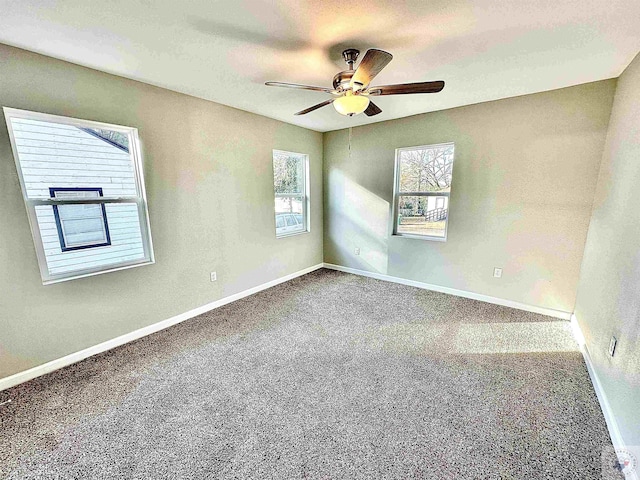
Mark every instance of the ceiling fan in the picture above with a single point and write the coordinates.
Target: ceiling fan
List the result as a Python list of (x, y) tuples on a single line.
[(351, 89)]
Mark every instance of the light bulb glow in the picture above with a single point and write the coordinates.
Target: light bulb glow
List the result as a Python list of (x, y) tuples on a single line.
[(351, 104)]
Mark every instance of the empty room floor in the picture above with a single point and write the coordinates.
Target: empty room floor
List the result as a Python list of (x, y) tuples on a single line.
[(327, 376)]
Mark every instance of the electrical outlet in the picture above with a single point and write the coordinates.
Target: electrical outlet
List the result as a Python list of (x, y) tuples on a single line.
[(612, 346), (357, 251), (214, 276), (497, 272)]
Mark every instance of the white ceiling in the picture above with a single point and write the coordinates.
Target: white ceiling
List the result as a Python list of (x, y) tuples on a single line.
[(225, 50)]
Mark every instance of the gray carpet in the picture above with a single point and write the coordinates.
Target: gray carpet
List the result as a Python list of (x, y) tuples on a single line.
[(326, 376)]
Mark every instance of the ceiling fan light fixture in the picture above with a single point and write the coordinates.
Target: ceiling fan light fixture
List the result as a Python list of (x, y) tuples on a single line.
[(351, 88), (351, 104)]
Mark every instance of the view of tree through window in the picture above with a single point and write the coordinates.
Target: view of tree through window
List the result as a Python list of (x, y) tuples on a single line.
[(289, 182), (424, 177), (119, 138)]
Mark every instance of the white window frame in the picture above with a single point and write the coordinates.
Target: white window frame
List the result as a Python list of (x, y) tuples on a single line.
[(140, 199), (305, 194), (397, 194)]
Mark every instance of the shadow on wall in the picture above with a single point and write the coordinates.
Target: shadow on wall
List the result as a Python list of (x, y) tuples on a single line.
[(358, 218), (361, 219), (362, 222)]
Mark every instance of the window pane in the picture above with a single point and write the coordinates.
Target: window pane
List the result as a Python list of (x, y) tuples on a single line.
[(87, 231), (80, 225), (54, 154), (288, 173), (289, 215), (124, 230), (426, 169), (423, 215), (75, 193), (70, 212), (290, 189), (289, 204)]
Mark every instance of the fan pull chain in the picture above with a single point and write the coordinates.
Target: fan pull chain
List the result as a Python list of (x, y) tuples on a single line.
[(349, 143)]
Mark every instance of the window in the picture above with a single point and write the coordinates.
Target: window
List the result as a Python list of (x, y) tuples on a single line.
[(80, 226), (421, 193), (84, 192), (291, 187)]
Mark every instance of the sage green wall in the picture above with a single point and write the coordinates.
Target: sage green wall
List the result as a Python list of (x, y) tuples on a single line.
[(209, 181), (609, 290), (524, 175)]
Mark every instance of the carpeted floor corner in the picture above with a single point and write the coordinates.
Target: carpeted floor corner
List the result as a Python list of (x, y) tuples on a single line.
[(327, 376)]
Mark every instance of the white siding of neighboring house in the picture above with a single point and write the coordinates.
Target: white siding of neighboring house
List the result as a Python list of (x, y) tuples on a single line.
[(57, 155)]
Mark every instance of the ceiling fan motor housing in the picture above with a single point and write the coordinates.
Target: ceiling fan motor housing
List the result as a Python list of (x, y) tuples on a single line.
[(350, 56), (342, 80)]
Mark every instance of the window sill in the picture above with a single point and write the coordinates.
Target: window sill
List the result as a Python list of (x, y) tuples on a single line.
[(420, 237), (99, 272), (292, 234)]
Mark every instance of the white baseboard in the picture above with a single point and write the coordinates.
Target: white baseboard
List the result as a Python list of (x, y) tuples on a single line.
[(453, 291), (609, 417), (53, 365), (577, 332), (612, 425)]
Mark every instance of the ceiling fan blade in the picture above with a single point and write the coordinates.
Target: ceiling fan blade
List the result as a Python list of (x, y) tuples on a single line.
[(406, 88), (301, 87), (315, 107), (370, 66), (372, 110)]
